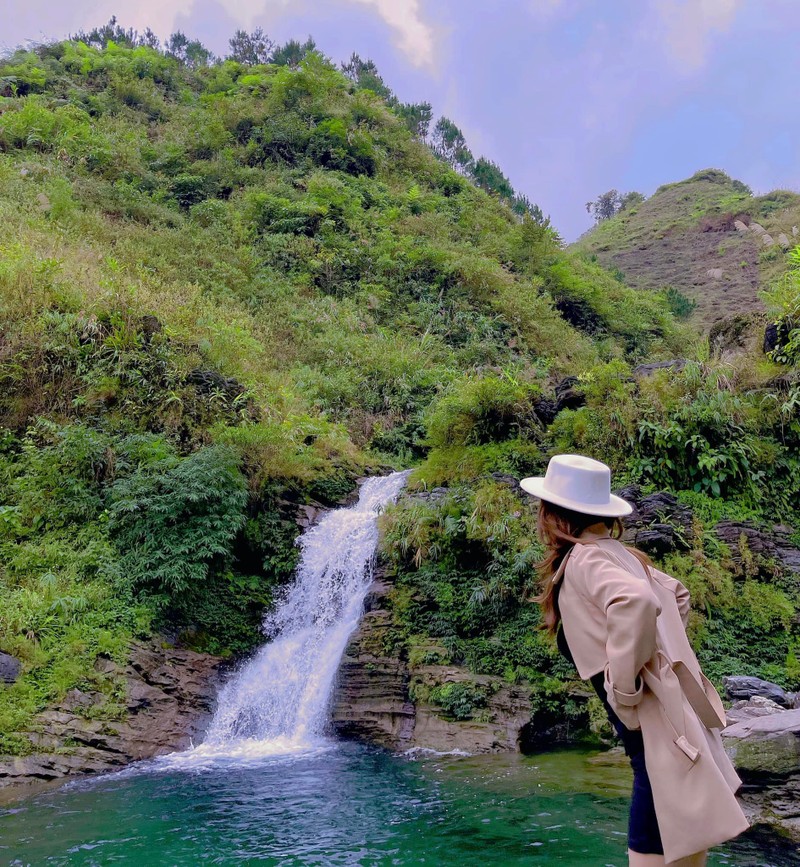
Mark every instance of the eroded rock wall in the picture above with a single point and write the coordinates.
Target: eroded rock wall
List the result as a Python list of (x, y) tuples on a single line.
[(372, 703), (169, 695)]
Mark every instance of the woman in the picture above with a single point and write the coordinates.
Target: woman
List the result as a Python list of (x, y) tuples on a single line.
[(623, 623)]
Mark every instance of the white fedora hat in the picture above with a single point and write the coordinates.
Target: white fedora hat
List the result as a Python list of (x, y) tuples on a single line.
[(578, 483)]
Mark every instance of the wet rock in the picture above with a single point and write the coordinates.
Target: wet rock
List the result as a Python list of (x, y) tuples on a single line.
[(500, 726), (10, 668), (372, 699), (741, 687), (308, 515)]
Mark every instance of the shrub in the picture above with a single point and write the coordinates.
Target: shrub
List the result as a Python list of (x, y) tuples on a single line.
[(460, 700), (176, 519), (681, 305)]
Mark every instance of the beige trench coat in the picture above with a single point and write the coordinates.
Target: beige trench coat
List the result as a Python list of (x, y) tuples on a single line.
[(619, 619)]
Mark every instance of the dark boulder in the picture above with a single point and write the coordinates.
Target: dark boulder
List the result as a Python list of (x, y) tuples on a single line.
[(569, 395), (770, 337), (742, 687), (10, 668), (546, 409), (208, 381), (776, 334), (658, 524)]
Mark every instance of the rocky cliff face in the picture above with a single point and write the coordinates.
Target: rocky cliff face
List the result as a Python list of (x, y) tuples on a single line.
[(169, 694), (372, 697)]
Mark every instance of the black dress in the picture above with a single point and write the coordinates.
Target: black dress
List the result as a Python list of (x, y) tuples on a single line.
[(643, 834)]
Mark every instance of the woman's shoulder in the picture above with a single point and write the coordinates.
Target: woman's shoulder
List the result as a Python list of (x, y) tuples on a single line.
[(582, 558), (604, 554)]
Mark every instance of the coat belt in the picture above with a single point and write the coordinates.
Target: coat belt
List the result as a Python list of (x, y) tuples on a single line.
[(670, 682)]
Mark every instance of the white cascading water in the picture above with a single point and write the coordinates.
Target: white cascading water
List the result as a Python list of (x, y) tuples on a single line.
[(277, 703)]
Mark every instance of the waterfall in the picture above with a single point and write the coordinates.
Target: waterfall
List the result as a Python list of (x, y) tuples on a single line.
[(277, 703)]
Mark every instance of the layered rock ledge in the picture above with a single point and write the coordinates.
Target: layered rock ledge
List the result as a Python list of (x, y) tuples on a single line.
[(372, 700), (169, 694)]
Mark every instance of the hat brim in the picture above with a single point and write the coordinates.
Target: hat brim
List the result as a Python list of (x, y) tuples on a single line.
[(616, 507)]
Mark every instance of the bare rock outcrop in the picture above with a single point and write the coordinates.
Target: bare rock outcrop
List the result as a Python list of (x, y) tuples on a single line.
[(744, 710), (169, 694), (10, 668), (744, 539), (658, 524), (763, 740)]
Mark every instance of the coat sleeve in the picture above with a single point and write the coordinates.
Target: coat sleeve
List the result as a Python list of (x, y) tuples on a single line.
[(682, 596), (631, 608)]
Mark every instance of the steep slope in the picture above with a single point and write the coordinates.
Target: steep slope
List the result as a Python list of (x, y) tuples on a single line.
[(225, 291), (706, 236)]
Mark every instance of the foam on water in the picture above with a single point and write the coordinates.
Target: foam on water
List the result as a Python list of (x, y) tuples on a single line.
[(276, 705)]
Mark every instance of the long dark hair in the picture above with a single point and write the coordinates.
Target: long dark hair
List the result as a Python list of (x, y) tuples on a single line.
[(558, 529)]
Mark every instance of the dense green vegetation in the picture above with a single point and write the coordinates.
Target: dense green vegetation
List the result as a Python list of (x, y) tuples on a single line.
[(231, 287)]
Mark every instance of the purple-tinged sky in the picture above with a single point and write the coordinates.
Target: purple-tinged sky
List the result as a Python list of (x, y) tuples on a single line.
[(569, 97)]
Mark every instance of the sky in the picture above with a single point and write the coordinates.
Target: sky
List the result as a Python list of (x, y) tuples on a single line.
[(569, 97)]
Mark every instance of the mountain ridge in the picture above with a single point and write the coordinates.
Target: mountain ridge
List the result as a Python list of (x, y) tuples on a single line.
[(686, 236)]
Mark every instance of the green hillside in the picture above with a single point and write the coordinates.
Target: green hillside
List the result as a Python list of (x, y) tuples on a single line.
[(685, 236), (230, 288)]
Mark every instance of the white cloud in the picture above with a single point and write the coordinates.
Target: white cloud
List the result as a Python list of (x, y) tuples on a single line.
[(688, 26), (415, 37), (158, 15)]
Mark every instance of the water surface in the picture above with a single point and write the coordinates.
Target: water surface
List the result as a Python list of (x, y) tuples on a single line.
[(343, 804)]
